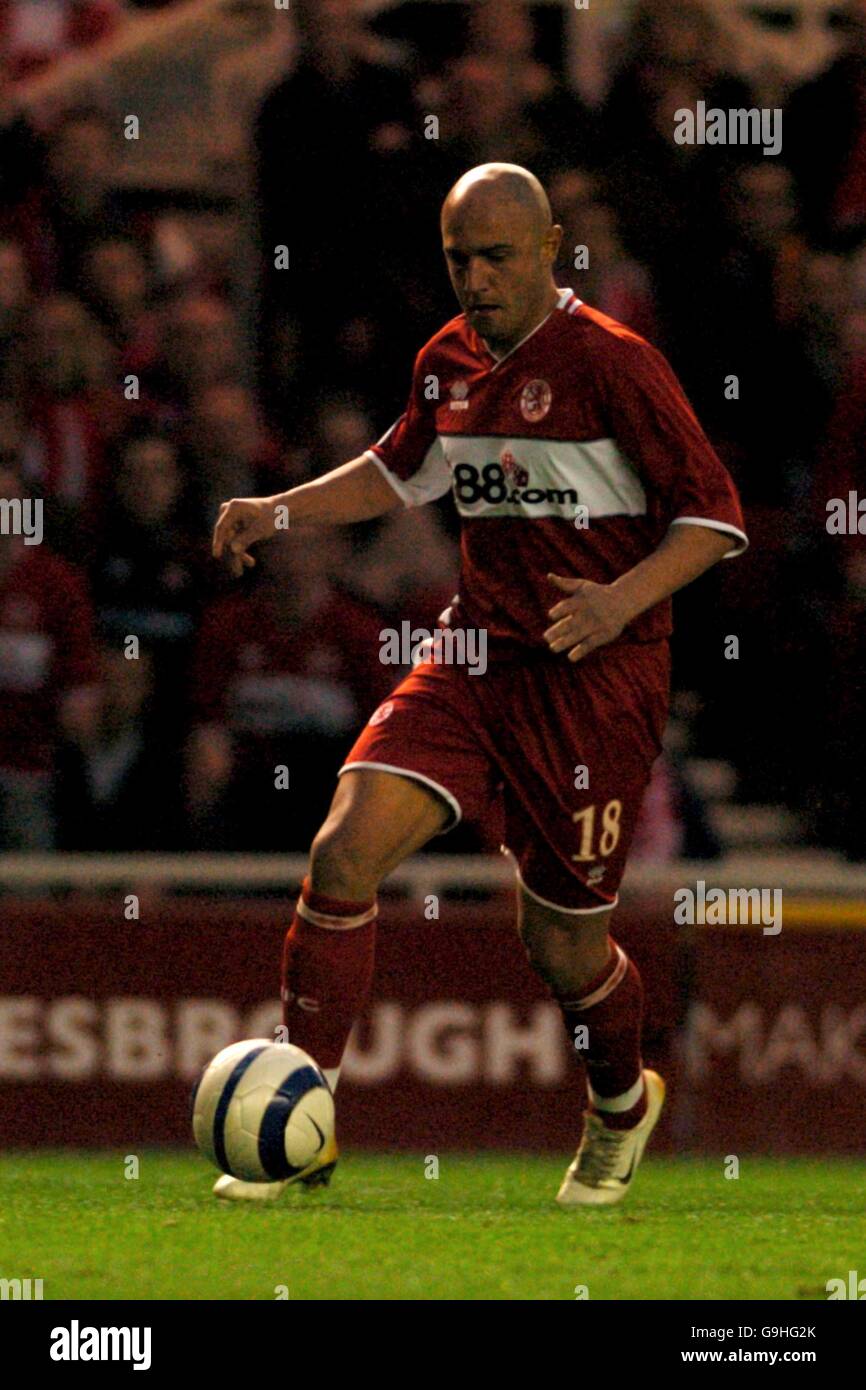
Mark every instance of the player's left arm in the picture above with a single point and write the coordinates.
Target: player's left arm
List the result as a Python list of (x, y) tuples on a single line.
[(594, 614), (656, 427)]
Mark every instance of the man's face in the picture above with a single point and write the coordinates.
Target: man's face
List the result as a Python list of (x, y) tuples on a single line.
[(499, 267), (149, 481), (226, 420), (790, 40), (201, 341), (333, 28), (118, 273)]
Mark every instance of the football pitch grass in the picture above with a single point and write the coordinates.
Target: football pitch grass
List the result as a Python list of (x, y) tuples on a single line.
[(486, 1228)]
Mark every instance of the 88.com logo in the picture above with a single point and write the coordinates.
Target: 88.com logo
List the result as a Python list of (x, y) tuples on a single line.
[(491, 486)]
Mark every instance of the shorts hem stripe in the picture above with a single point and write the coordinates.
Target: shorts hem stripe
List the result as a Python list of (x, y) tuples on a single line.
[(571, 911), (447, 796)]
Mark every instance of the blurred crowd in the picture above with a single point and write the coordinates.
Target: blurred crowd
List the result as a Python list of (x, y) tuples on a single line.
[(34, 34), (146, 702)]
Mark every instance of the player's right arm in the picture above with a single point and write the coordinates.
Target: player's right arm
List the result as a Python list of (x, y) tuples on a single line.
[(407, 468), (356, 491)]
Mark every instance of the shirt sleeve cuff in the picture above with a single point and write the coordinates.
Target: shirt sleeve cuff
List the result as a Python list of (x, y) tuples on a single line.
[(402, 492), (741, 540)]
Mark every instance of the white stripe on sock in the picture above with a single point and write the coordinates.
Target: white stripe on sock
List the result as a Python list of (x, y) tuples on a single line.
[(614, 978), (323, 919), (615, 1105)]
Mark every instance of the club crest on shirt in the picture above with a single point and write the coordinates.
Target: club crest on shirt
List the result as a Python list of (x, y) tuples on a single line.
[(535, 400), (459, 392)]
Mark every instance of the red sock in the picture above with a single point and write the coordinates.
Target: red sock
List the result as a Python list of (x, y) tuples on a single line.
[(611, 1009), (327, 972)]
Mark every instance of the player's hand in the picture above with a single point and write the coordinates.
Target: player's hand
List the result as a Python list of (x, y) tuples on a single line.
[(592, 615), (241, 523)]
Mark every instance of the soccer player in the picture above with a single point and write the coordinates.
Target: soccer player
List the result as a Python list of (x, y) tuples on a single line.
[(588, 494)]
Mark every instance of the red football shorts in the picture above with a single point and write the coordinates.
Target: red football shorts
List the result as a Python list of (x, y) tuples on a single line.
[(551, 756)]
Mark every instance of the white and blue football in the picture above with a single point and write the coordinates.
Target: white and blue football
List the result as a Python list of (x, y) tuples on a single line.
[(263, 1111)]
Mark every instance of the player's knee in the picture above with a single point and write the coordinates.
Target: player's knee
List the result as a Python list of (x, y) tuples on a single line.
[(341, 865), (565, 952)]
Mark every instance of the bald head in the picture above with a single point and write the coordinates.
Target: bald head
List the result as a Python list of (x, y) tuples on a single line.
[(501, 244), (506, 187)]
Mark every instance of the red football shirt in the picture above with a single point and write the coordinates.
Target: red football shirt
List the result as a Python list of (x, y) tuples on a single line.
[(46, 649), (572, 455), (268, 672)]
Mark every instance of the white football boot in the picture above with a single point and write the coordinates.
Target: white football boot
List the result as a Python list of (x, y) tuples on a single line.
[(236, 1190), (317, 1175), (607, 1159)]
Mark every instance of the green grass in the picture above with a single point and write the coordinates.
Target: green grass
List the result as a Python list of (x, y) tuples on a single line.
[(486, 1229)]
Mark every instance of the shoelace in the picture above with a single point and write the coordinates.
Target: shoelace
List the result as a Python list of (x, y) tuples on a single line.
[(601, 1150)]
